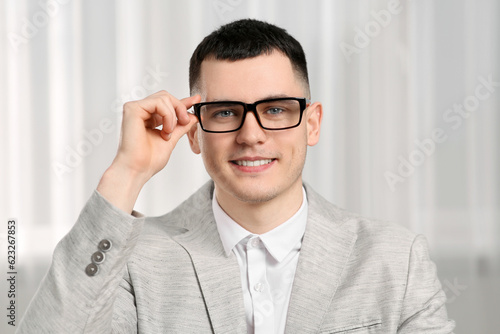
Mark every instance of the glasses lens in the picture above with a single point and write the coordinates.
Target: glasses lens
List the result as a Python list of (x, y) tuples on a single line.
[(279, 114), (221, 116)]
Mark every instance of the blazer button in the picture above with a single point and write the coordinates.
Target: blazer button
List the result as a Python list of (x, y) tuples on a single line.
[(105, 245), (98, 257), (92, 269)]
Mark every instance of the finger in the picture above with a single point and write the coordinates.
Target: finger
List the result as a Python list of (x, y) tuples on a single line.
[(169, 120), (171, 104), (164, 109), (161, 112), (180, 130), (151, 106), (155, 121), (189, 101), (181, 107), (180, 112)]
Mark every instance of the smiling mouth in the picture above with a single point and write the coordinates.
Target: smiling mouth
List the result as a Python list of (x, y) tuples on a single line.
[(252, 163)]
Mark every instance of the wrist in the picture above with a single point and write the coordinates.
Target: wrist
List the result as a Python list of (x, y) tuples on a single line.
[(121, 186)]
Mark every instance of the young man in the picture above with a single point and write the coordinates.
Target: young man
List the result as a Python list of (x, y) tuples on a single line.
[(255, 250)]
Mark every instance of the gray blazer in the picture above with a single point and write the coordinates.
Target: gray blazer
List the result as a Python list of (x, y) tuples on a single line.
[(170, 274)]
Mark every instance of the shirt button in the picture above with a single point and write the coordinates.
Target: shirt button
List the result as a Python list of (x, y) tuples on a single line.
[(92, 269), (254, 242), (105, 245), (258, 287), (98, 257)]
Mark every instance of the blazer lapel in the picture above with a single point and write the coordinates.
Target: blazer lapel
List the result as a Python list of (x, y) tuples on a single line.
[(325, 250), (218, 274)]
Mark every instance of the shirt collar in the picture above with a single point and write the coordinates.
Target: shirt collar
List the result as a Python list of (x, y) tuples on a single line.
[(230, 232), (279, 242)]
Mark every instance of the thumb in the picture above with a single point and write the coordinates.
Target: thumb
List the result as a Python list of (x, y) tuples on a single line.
[(181, 130)]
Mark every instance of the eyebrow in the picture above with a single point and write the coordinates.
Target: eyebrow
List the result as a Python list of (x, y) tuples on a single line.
[(272, 96)]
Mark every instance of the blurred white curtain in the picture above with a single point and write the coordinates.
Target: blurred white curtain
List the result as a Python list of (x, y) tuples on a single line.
[(391, 75)]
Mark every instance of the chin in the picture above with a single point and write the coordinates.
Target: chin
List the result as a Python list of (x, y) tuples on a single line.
[(253, 194)]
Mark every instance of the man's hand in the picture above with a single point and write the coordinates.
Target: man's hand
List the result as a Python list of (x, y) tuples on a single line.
[(145, 150)]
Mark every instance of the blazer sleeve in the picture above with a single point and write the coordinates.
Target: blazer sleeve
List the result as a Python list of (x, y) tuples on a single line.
[(424, 309), (77, 298)]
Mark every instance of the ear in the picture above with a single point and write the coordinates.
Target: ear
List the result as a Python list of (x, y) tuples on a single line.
[(314, 117), (193, 139)]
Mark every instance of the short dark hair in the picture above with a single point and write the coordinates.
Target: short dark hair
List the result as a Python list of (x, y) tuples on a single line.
[(247, 38)]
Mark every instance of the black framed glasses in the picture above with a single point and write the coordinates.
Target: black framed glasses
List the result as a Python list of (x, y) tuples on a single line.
[(272, 114)]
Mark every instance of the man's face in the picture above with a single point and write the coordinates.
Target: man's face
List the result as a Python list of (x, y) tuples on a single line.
[(280, 154)]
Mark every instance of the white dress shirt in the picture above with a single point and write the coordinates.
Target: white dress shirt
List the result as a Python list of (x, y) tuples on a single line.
[(267, 265)]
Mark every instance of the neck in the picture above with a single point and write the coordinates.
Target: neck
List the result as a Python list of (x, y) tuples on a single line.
[(262, 217)]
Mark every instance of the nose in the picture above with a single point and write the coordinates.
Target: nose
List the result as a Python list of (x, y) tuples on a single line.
[(251, 133)]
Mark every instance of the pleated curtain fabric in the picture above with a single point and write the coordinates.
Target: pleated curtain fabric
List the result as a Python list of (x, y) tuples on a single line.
[(410, 91)]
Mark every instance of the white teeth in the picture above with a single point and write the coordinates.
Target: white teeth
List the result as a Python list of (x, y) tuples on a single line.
[(254, 163)]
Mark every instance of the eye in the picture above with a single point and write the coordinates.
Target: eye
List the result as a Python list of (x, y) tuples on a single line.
[(275, 110), (223, 113)]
